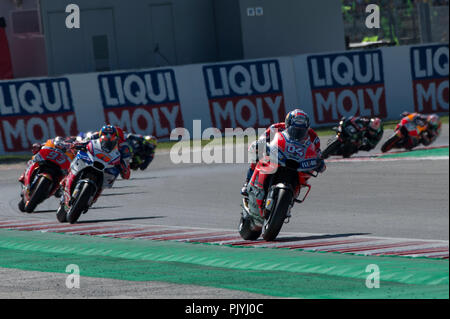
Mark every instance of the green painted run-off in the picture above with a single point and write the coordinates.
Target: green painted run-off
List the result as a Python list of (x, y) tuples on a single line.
[(419, 153), (274, 272)]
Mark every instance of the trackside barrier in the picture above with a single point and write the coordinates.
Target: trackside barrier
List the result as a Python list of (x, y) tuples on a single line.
[(238, 94)]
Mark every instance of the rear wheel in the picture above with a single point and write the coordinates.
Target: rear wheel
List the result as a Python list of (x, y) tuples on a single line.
[(390, 143), (331, 148), (246, 229), (39, 194), (273, 224), (81, 203)]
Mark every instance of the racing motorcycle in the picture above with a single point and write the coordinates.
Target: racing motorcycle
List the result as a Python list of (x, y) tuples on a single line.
[(407, 134), (91, 171), (346, 142), (43, 176), (286, 160)]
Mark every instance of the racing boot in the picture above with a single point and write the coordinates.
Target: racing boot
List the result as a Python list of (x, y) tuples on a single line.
[(251, 169), (244, 191), (60, 191), (22, 178)]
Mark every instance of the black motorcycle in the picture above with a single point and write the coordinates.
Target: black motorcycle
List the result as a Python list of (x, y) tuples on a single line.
[(347, 141)]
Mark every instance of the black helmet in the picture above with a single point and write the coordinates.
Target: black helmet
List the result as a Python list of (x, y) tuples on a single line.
[(297, 124)]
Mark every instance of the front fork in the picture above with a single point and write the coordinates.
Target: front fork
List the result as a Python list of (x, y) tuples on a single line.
[(271, 198)]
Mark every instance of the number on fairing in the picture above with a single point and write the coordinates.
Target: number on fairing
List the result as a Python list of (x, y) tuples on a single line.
[(295, 150), (410, 126), (57, 157)]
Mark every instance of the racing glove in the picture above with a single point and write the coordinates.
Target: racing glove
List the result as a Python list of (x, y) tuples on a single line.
[(321, 167), (36, 147), (124, 170)]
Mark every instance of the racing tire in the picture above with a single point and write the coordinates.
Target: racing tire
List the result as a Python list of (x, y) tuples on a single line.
[(81, 203), (245, 229), (39, 194), (390, 143), (61, 214), (331, 148), (21, 205), (274, 222)]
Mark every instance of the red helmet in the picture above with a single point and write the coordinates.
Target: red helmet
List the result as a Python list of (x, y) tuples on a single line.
[(108, 137), (375, 125)]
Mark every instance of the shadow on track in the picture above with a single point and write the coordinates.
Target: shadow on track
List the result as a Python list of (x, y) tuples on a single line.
[(119, 187), (144, 178), (119, 219), (328, 236), (105, 207), (129, 193), (42, 211)]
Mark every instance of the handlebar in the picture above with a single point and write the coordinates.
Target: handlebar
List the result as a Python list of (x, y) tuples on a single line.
[(79, 147)]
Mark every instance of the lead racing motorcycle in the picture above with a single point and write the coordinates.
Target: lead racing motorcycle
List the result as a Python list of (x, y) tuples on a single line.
[(283, 173), (92, 170)]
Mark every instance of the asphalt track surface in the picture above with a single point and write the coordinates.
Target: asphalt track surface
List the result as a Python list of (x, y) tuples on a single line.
[(408, 199), (394, 199)]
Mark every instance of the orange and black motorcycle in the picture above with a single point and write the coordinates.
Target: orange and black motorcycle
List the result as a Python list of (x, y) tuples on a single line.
[(408, 133)]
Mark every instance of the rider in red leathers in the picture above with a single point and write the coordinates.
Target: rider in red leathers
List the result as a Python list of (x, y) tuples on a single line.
[(256, 146), (302, 141)]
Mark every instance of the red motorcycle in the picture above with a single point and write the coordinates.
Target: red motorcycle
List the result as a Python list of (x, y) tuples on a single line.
[(43, 176), (407, 134), (283, 174)]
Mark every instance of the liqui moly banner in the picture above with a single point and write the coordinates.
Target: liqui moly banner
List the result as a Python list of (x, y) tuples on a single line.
[(429, 68), (245, 94), (142, 102), (34, 111), (347, 84)]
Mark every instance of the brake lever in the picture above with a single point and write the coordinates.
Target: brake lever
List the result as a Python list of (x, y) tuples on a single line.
[(312, 174)]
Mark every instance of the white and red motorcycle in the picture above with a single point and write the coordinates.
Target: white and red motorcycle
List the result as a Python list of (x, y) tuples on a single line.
[(91, 171)]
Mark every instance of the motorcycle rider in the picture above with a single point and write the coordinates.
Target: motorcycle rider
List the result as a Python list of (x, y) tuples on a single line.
[(109, 138), (429, 127), (302, 132), (371, 130), (58, 142), (117, 134), (143, 150), (433, 129), (297, 128)]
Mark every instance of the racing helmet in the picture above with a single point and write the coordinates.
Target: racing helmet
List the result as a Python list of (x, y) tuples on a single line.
[(59, 143), (434, 122), (297, 124), (375, 125), (108, 138)]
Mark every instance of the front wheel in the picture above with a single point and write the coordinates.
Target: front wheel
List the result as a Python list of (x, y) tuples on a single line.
[(39, 194), (21, 205), (81, 203), (272, 225), (390, 143), (331, 148)]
